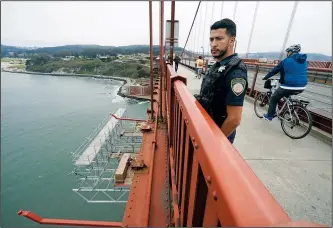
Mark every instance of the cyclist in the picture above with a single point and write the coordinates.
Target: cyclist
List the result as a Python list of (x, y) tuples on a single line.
[(293, 77)]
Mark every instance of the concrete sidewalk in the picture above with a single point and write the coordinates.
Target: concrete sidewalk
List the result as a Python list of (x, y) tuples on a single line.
[(297, 172)]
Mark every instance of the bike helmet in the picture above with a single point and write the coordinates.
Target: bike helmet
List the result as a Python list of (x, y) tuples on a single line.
[(294, 48)]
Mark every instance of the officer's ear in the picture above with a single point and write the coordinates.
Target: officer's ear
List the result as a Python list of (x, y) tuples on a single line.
[(232, 41)]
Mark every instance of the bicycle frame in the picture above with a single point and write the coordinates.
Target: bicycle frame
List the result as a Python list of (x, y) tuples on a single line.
[(279, 111)]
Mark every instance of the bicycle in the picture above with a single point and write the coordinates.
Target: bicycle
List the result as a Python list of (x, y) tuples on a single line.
[(287, 110)]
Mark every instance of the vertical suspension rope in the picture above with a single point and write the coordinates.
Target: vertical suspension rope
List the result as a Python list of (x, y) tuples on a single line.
[(203, 36), (252, 28), (191, 27), (234, 16), (199, 24), (222, 9), (195, 37), (211, 22), (288, 29)]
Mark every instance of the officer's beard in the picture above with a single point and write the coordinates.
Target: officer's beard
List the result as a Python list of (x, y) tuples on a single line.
[(221, 55)]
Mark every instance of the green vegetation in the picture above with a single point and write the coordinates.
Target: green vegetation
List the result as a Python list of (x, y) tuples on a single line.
[(132, 68)]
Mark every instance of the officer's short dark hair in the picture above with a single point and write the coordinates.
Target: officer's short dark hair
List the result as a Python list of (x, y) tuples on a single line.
[(226, 23)]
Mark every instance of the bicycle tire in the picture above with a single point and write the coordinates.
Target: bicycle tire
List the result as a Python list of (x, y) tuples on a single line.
[(259, 98), (309, 122)]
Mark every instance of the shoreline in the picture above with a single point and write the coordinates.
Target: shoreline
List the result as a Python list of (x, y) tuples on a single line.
[(119, 92)]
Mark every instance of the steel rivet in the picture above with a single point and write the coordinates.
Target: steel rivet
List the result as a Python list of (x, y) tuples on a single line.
[(214, 195), (196, 146), (209, 180)]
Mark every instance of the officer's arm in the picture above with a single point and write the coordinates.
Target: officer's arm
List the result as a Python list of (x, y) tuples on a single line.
[(233, 119), (274, 71), (237, 85)]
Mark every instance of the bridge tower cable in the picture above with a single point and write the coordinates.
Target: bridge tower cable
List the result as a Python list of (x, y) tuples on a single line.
[(252, 28), (288, 29), (191, 27)]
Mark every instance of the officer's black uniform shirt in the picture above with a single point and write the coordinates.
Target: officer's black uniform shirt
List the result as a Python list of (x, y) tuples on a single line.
[(230, 90)]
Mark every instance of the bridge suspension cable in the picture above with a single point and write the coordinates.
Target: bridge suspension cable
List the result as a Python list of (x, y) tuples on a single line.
[(252, 28), (211, 22), (235, 9), (203, 34), (191, 27), (288, 29), (222, 9)]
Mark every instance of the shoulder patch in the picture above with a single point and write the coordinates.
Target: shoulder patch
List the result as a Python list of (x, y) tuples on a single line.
[(238, 86)]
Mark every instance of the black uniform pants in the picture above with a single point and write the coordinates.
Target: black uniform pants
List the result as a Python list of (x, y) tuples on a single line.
[(232, 136), (176, 66)]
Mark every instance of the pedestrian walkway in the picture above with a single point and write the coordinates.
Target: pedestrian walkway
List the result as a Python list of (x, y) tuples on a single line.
[(297, 172)]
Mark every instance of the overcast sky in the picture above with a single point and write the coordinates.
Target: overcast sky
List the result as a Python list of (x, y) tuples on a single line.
[(126, 23)]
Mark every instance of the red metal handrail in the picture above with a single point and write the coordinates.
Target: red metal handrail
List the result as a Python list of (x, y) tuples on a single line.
[(66, 222), (213, 184), (317, 69)]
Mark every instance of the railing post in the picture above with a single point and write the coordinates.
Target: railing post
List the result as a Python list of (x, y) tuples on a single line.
[(254, 80)]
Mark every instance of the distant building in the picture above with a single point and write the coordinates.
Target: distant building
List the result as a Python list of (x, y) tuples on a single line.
[(68, 58)]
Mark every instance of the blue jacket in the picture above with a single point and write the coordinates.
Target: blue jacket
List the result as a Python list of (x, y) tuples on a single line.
[(293, 71)]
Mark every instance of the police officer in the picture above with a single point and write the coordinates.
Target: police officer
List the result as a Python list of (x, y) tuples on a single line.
[(224, 86)]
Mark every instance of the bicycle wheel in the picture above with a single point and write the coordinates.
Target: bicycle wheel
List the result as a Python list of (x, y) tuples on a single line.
[(299, 121), (261, 104)]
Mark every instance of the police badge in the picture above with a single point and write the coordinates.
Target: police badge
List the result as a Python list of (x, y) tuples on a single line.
[(222, 68), (238, 86)]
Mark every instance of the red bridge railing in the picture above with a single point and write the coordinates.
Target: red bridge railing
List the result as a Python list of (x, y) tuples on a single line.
[(212, 185)]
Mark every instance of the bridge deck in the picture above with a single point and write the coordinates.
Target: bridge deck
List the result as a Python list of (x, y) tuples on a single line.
[(297, 172)]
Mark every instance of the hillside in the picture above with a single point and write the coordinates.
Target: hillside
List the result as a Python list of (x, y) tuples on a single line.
[(85, 50), (94, 50), (131, 68)]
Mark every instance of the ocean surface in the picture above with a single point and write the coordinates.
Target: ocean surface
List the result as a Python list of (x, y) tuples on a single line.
[(43, 120)]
